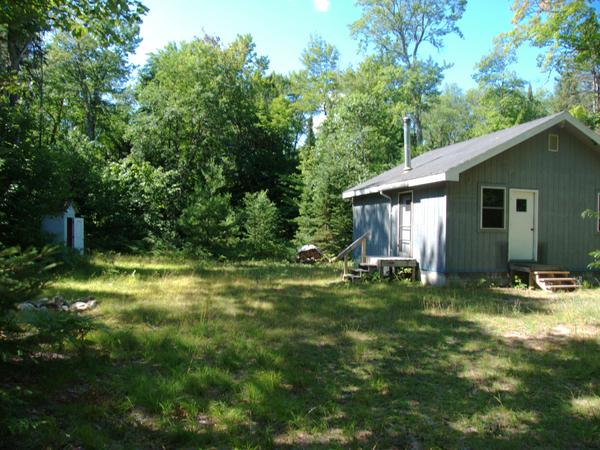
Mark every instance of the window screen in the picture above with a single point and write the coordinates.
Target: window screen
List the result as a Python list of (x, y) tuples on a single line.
[(492, 208)]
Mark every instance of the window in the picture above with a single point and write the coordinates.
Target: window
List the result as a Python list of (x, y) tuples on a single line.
[(492, 208), (521, 205), (553, 142)]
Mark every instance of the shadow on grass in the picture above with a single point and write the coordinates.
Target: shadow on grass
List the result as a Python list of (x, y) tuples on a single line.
[(328, 366)]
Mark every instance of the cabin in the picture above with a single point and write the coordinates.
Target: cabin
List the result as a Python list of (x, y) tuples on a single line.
[(511, 200), (65, 229)]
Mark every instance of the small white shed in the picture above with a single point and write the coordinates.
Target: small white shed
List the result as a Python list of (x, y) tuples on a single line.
[(65, 229)]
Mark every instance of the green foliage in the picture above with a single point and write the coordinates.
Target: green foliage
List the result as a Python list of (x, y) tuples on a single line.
[(261, 225), (318, 83), (449, 120), (38, 106), (595, 254), (208, 222), (397, 29), (57, 328), (502, 100), (518, 283), (23, 273), (569, 34)]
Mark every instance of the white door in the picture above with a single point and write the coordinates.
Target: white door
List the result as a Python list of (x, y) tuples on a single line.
[(522, 225), (78, 235), (404, 224)]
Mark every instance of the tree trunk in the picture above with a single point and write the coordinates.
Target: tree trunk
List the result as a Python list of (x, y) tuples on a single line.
[(418, 127)]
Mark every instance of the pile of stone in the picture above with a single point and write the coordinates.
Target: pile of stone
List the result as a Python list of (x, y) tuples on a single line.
[(59, 303), (309, 254)]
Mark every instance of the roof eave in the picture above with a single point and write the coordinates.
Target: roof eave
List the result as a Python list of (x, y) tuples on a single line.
[(421, 181)]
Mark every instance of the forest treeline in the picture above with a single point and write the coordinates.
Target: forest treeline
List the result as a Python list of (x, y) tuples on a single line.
[(205, 149)]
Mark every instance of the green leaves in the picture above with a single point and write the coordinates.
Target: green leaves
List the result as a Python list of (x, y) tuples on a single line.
[(24, 272), (261, 224)]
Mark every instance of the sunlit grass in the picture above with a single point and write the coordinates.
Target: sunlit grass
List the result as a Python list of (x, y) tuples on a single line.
[(256, 354)]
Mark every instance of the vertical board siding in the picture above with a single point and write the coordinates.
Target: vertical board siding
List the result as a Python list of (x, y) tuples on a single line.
[(371, 213), (429, 228), (567, 182)]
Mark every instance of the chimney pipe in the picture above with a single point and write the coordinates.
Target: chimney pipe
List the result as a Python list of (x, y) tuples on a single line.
[(407, 165)]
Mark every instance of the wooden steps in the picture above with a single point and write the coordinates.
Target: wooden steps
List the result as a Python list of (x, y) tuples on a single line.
[(554, 280), (357, 274)]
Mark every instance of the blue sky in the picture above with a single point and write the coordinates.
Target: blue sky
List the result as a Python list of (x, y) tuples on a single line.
[(281, 29)]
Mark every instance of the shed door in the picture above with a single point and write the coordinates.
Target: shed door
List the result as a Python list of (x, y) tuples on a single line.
[(405, 224), (78, 234), (522, 226)]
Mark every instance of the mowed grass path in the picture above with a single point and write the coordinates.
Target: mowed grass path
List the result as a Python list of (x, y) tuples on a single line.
[(261, 355)]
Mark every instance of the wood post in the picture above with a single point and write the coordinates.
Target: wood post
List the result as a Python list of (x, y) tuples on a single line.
[(363, 251)]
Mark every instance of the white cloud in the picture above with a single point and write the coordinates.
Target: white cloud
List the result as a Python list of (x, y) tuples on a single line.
[(322, 5)]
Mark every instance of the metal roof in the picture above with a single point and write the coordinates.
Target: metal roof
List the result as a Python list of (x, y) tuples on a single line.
[(447, 163)]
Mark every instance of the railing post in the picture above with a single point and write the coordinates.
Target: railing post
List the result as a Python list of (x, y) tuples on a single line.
[(345, 265), (363, 251)]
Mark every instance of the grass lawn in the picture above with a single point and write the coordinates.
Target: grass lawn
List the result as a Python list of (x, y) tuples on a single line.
[(262, 355)]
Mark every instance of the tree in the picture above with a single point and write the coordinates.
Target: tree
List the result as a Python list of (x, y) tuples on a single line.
[(261, 224), (360, 137), (502, 99), (202, 103), (568, 31), (89, 77), (208, 222), (32, 181), (450, 119), (23, 23), (319, 80), (397, 29)]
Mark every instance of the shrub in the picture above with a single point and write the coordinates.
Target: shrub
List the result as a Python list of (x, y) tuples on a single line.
[(595, 254), (261, 226), (23, 273), (58, 327)]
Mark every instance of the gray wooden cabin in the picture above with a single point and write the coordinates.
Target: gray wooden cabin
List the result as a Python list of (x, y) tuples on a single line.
[(475, 206)]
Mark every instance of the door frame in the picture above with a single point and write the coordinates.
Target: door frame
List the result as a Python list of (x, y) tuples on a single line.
[(536, 201), (70, 225), (399, 231)]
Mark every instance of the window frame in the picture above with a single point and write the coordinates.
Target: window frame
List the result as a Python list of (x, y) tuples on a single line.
[(481, 208), (550, 136)]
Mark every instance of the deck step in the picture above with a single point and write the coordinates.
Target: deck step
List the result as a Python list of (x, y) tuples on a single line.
[(553, 280), (360, 270), (551, 272), (561, 286), (351, 277), (558, 279)]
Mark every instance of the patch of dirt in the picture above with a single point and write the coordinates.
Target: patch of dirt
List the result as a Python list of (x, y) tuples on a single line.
[(543, 340), (333, 436)]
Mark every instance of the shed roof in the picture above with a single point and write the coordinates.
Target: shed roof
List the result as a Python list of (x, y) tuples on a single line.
[(447, 163)]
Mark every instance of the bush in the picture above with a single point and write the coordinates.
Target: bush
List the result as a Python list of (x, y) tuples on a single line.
[(24, 273), (261, 224), (595, 254), (58, 327)]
